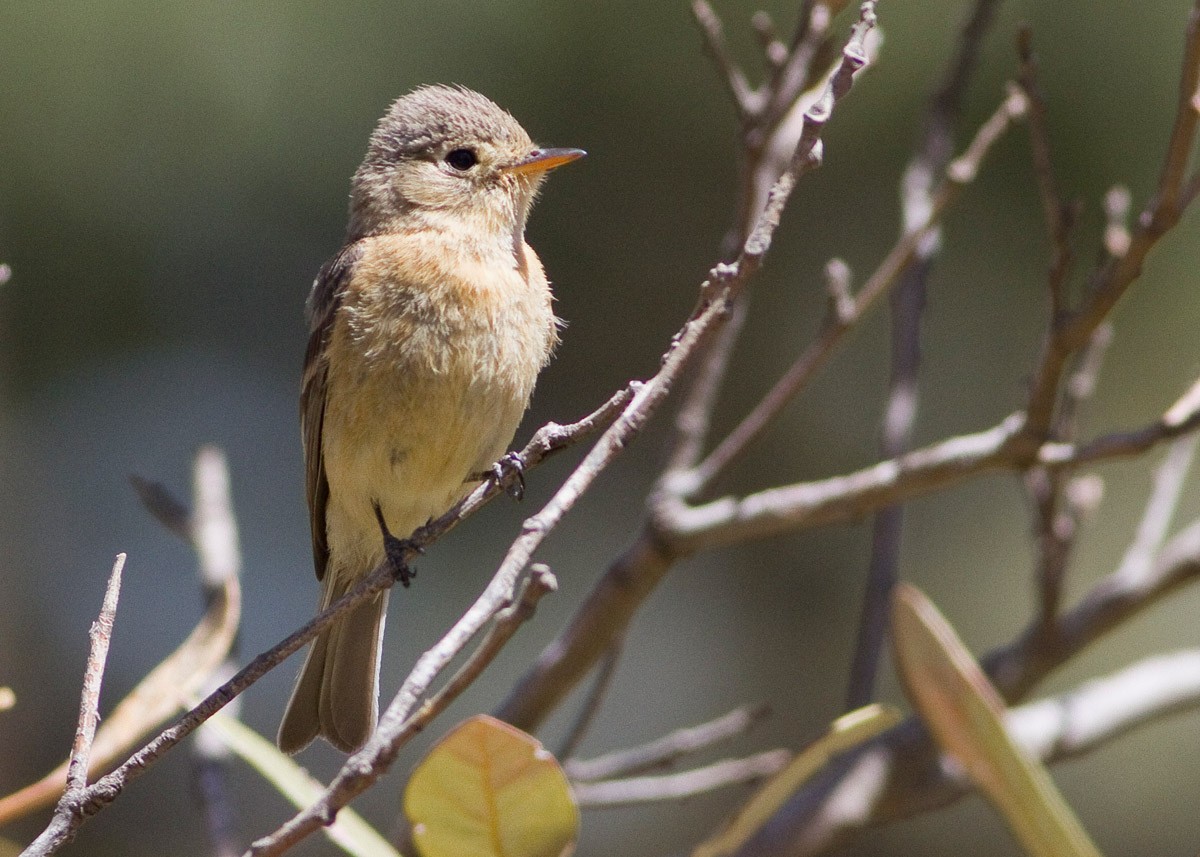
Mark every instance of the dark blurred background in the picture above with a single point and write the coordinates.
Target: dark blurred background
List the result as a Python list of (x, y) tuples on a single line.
[(173, 175)]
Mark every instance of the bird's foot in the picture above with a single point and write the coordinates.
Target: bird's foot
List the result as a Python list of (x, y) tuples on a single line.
[(509, 473), (398, 551)]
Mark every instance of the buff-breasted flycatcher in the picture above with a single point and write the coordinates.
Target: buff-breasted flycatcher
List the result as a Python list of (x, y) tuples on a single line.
[(428, 330)]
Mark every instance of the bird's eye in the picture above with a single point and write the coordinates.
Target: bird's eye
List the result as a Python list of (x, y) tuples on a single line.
[(462, 159)]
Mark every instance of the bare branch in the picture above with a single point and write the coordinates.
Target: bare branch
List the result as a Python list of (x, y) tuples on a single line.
[(1112, 279), (186, 671), (591, 705), (685, 784), (668, 749), (93, 677), (70, 811), (717, 294), (1169, 479), (1059, 217), (774, 118), (961, 171), (932, 153), (1183, 134), (744, 98), (405, 716), (1017, 667)]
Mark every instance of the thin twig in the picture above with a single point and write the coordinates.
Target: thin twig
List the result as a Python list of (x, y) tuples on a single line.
[(1169, 479), (93, 677), (685, 784), (68, 815), (932, 154), (605, 671), (1056, 517), (773, 118), (1108, 284), (726, 282), (217, 628), (1058, 216), (667, 749), (210, 780), (183, 673), (960, 172), (406, 716), (213, 532), (744, 98), (727, 521)]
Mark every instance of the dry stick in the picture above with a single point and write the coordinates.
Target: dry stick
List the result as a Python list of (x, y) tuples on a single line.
[(1057, 215), (69, 813), (157, 697), (1057, 515), (213, 534), (1146, 574), (638, 790), (850, 496), (1113, 278), (933, 152), (765, 151), (676, 530), (744, 98), (595, 698), (960, 172), (1055, 525), (547, 440), (667, 749), (502, 601), (725, 284), (1169, 480)]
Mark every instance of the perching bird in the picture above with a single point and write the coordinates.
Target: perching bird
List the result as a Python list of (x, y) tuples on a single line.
[(428, 330)]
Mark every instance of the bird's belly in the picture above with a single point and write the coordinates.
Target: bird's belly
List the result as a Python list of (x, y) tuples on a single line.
[(409, 441)]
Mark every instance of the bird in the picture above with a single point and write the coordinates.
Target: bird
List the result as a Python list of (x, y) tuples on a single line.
[(427, 331)]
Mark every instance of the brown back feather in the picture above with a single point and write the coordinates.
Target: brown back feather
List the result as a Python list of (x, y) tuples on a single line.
[(323, 303)]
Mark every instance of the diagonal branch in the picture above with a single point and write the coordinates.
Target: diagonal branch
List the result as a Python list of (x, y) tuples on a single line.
[(726, 282), (959, 173), (69, 814)]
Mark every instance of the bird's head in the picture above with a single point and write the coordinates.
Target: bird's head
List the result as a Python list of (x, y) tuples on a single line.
[(447, 157)]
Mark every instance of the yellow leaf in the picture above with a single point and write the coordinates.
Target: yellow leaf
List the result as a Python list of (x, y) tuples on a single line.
[(845, 733), (487, 789), (966, 716)]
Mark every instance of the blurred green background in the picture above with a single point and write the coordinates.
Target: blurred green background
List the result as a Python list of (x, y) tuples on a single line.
[(173, 175)]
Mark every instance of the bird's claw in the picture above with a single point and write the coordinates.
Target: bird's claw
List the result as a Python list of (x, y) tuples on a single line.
[(397, 551), (509, 472)]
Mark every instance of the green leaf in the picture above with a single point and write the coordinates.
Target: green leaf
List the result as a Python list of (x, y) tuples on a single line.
[(487, 789), (966, 716)]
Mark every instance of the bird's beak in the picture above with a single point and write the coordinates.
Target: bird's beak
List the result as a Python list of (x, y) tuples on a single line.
[(544, 160)]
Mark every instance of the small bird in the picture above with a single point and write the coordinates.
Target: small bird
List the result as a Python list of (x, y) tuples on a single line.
[(427, 332)]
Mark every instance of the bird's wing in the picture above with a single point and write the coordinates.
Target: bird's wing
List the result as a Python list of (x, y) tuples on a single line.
[(323, 303)]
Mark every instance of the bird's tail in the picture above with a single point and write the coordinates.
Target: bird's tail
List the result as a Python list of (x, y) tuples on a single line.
[(337, 693)]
